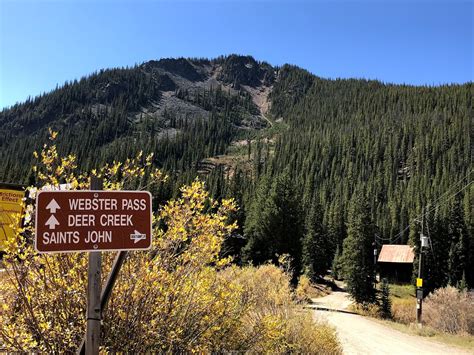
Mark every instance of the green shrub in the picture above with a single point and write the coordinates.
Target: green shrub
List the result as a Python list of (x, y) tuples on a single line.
[(385, 302)]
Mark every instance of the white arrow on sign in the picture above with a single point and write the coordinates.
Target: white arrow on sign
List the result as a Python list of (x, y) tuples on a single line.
[(137, 236), (52, 222), (53, 206)]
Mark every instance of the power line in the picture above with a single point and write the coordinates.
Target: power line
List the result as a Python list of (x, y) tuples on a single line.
[(453, 186), (429, 238), (455, 194), (417, 219), (448, 191), (396, 237)]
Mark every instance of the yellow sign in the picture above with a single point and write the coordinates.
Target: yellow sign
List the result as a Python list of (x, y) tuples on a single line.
[(11, 205), (419, 282)]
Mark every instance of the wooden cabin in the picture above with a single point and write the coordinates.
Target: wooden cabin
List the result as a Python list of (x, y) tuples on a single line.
[(395, 262)]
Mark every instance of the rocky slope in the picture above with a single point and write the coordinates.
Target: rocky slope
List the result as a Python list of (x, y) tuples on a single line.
[(157, 100)]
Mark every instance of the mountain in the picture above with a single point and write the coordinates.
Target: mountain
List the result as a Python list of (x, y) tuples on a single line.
[(114, 113), (237, 123)]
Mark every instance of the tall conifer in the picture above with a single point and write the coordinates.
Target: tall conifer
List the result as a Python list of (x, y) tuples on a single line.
[(357, 254), (315, 244)]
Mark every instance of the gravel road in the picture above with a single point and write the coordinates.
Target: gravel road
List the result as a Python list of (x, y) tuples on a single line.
[(361, 335)]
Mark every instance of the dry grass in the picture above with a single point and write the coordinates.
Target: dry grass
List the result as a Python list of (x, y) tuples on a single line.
[(448, 315), (446, 310), (369, 310), (466, 342), (310, 338), (273, 321), (403, 303), (404, 311)]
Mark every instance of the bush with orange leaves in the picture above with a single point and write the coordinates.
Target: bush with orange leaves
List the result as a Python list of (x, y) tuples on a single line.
[(180, 296)]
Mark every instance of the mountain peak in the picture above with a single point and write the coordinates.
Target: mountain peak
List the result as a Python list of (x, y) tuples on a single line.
[(245, 70), (179, 66)]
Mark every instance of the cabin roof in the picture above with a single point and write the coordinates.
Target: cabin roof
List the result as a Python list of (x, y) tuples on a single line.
[(391, 253)]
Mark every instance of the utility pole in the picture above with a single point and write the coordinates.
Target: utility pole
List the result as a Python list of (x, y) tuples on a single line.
[(93, 291), (419, 280), (419, 287)]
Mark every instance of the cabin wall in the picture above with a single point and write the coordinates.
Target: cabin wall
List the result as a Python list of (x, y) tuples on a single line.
[(396, 272)]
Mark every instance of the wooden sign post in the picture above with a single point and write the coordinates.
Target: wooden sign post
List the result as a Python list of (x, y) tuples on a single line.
[(94, 272), (94, 221)]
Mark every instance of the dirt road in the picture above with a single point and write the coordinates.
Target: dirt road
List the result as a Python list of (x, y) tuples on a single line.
[(361, 335)]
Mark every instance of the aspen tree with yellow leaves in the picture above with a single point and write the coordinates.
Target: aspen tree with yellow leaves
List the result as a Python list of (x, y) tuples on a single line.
[(180, 296)]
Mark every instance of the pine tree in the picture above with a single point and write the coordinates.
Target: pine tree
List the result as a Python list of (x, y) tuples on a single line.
[(338, 136), (462, 285), (233, 245), (257, 249), (459, 238), (273, 227), (336, 271), (315, 244), (435, 269), (358, 267), (386, 303), (469, 221)]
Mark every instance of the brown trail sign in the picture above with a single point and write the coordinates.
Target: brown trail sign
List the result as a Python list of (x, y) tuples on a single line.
[(71, 221), (94, 221)]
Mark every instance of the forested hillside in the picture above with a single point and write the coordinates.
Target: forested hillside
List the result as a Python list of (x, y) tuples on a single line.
[(306, 158)]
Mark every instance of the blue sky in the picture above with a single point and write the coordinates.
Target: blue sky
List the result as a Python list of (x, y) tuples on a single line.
[(44, 43)]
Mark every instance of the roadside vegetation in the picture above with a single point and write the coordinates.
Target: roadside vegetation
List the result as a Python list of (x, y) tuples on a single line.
[(307, 290), (448, 313), (448, 310), (181, 296), (341, 166), (403, 303)]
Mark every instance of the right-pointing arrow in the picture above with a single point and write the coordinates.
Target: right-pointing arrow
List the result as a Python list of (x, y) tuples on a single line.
[(137, 236), (52, 222), (53, 206)]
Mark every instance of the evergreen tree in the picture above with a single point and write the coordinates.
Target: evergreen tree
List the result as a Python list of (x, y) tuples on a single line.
[(358, 267), (462, 285), (406, 145), (458, 236), (336, 267), (385, 302), (233, 245), (469, 221), (436, 257), (258, 248), (315, 244), (336, 225), (273, 227)]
